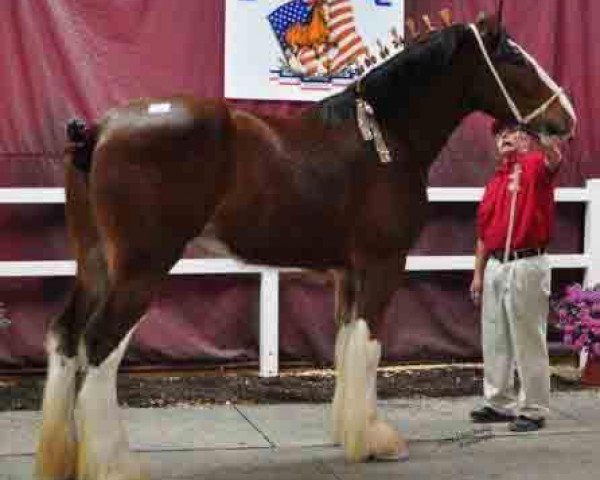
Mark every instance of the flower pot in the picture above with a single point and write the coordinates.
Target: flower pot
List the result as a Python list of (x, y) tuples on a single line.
[(591, 372)]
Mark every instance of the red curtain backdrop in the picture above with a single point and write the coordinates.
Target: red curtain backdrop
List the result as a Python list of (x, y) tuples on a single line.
[(67, 58)]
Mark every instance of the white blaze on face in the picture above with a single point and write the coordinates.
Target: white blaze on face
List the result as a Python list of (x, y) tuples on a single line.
[(550, 83)]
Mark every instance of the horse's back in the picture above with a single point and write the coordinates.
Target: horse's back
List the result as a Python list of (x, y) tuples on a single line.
[(163, 118)]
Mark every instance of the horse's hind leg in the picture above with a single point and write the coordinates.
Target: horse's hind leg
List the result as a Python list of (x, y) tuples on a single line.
[(103, 449), (56, 451)]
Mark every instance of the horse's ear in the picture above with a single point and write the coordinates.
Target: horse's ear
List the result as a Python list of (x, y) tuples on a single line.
[(446, 17), (500, 10), (489, 27)]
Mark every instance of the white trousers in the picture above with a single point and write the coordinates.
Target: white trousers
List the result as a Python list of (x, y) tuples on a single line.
[(514, 316)]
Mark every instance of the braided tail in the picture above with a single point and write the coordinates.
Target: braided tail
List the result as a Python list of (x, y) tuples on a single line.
[(81, 141)]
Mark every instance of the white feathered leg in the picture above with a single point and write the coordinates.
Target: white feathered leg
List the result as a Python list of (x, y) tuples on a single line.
[(337, 404), (353, 392), (383, 442), (103, 447), (356, 424), (57, 450)]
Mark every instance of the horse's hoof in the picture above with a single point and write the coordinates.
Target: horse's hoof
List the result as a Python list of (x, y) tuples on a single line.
[(384, 443), (55, 458), (127, 466), (390, 457)]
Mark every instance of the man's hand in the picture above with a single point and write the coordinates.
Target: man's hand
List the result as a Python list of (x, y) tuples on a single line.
[(551, 147), (475, 289)]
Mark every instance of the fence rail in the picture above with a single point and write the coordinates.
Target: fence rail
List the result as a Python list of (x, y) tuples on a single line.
[(589, 259)]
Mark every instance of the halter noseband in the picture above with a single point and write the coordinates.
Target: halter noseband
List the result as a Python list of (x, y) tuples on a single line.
[(524, 120)]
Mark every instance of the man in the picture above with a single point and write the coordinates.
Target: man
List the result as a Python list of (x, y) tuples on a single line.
[(511, 280)]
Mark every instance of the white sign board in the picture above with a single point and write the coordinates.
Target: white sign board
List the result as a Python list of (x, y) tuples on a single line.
[(303, 49)]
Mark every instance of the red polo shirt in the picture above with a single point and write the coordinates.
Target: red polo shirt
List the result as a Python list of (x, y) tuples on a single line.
[(534, 212)]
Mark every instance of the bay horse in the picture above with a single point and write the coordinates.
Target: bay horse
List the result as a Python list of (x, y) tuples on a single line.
[(306, 192)]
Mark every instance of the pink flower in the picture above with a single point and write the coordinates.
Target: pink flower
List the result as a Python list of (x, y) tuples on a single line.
[(581, 341), (591, 322), (568, 329)]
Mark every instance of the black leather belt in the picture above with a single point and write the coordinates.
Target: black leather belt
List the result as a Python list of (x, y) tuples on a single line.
[(517, 254)]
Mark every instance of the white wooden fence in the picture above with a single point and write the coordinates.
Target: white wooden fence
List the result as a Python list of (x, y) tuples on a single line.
[(589, 259)]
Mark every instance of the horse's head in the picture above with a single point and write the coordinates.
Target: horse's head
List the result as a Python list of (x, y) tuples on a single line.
[(511, 85)]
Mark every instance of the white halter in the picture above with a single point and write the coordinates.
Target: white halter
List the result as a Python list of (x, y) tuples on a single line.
[(558, 92)]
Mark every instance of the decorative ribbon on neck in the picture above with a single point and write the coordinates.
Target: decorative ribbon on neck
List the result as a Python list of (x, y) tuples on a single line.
[(509, 100), (369, 128)]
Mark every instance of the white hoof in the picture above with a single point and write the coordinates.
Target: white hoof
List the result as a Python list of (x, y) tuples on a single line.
[(126, 467), (56, 453), (384, 443)]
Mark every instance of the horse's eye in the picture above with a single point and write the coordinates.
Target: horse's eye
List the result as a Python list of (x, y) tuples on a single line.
[(509, 54)]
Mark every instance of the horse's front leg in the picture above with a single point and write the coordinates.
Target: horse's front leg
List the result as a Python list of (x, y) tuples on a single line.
[(356, 424)]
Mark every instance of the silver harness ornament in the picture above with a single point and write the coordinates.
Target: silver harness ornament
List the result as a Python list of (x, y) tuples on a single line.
[(370, 130)]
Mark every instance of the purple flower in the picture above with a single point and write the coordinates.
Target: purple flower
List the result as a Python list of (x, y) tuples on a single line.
[(578, 314)]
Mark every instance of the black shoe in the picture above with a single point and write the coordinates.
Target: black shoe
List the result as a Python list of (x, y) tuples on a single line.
[(489, 415), (526, 424)]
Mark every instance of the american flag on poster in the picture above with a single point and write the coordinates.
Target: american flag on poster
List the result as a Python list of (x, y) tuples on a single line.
[(342, 30), (289, 49)]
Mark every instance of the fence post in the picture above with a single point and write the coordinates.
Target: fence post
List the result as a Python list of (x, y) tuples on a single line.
[(269, 323), (591, 243)]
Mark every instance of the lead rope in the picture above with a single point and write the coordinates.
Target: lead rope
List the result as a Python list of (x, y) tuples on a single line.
[(514, 189)]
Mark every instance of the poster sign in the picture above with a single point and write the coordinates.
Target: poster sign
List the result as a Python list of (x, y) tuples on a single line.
[(304, 49)]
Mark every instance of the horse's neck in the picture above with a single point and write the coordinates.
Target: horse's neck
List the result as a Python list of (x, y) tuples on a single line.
[(417, 106), (428, 123), (432, 122), (319, 15), (318, 18)]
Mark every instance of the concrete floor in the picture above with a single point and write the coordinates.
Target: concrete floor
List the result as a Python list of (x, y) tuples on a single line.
[(288, 442)]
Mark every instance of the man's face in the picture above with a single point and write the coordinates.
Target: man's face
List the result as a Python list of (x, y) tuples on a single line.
[(510, 140)]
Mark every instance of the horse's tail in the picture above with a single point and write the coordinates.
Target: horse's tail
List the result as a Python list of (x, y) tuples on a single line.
[(81, 142)]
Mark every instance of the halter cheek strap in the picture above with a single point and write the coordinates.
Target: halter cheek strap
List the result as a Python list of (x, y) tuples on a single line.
[(509, 100)]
